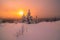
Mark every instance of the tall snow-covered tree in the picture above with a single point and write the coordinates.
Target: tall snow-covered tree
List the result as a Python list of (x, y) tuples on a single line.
[(28, 17)]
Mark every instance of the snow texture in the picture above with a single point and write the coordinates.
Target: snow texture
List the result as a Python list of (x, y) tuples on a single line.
[(22, 31)]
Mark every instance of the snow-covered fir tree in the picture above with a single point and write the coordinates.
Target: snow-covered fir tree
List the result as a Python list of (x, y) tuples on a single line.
[(23, 18), (29, 17)]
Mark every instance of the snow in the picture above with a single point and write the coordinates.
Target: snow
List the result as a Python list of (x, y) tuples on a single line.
[(40, 31)]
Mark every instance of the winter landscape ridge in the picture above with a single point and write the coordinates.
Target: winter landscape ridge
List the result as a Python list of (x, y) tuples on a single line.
[(40, 31)]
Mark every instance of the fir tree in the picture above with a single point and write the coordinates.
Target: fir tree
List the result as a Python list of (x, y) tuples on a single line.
[(23, 19), (28, 17)]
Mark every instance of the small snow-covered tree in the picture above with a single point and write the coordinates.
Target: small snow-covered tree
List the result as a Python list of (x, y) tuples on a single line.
[(36, 19), (23, 18)]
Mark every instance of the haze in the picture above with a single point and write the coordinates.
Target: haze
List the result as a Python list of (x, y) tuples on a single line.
[(40, 8)]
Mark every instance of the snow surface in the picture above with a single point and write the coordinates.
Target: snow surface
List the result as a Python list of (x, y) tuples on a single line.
[(40, 31)]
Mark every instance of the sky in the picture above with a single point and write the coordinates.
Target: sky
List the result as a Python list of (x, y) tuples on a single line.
[(40, 8)]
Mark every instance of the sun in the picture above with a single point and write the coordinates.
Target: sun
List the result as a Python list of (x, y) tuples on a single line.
[(21, 13)]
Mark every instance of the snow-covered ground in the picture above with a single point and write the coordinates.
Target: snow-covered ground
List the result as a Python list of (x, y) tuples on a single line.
[(40, 31)]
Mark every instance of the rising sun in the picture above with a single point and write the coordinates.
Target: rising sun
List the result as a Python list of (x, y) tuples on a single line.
[(21, 13)]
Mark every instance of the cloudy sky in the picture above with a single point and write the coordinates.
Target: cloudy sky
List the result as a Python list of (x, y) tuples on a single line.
[(40, 8)]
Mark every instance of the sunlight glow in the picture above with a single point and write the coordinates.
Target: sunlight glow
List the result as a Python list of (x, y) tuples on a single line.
[(21, 13)]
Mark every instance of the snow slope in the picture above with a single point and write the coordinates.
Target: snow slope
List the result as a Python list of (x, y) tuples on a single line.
[(41, 31)]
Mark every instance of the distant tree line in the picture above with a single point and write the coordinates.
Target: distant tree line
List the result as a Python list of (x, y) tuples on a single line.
[(6, 20), (30, 20)]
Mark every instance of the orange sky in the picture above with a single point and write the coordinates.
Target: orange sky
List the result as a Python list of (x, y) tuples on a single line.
[(45, 8)]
